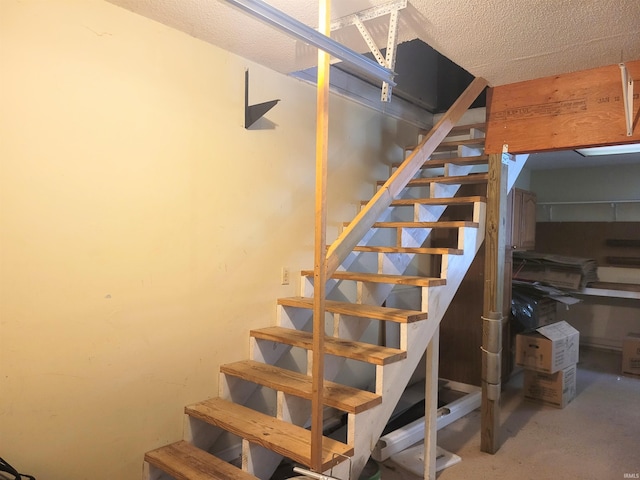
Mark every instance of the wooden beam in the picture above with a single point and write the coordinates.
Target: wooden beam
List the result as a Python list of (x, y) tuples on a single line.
[(320, 266), (580, 109), (431, 406), (493, 304)]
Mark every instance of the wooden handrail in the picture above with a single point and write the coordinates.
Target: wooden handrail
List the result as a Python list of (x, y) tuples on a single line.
[(394, 185)]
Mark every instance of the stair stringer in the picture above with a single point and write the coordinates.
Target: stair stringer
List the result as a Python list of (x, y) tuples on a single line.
[(391, 380)]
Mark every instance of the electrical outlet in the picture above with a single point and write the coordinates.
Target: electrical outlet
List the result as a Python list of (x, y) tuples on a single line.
[(285, 276)]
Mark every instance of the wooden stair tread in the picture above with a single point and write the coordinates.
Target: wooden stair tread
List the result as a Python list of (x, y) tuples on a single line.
[(384, 278), (441, 162), (443, 224), (281, 437), (448, 145), (458, 129), (358, 310), (342, 397), (186, 462), (437, 201), (462, 142), (454, 180), (416, 250), (364, 352)]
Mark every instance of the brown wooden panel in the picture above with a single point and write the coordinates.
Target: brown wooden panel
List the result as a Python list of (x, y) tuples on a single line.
[(562, 112), (587, 239)]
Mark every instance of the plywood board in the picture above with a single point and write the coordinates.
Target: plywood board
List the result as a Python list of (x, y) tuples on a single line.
[(573, 110)]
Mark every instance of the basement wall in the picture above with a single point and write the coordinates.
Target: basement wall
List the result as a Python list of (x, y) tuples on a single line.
[(143, 229), (602, 321)]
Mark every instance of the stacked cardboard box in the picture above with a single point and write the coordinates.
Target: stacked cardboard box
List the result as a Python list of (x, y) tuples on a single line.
[(549, 356), (570, 273), (631, 354)]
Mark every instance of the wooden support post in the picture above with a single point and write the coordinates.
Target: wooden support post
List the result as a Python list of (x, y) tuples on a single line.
[(431, 406), (493, 304), (320, 263)]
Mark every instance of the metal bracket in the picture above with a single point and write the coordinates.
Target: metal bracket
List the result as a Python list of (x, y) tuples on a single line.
[(627, 96), (299, 30), (253, 113), (389, 60)]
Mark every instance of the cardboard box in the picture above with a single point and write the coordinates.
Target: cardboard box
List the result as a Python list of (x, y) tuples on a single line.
[(549, 349), (556, 389), (631, 354)]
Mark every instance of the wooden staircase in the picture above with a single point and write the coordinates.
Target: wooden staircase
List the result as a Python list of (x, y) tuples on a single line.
[(264, 402)]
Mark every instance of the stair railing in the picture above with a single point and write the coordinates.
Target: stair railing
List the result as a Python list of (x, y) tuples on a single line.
[(364, 220)]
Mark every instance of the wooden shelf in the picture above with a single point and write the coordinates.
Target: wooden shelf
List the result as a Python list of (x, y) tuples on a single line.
[(612, 290)]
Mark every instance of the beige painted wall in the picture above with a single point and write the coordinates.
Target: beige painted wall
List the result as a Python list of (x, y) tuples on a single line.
[(143, 229)]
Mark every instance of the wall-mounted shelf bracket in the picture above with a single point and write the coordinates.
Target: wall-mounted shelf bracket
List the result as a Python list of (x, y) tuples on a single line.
[(357, 19), (627, 96), (253, 113)]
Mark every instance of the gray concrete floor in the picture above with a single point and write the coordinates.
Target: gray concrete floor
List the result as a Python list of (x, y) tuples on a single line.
[(597, 436)]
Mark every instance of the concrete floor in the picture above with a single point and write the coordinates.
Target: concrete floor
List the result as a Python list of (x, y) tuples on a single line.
[(597, 436)]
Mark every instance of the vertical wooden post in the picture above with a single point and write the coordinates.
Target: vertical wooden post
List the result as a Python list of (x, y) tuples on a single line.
[(493, 304), (320, 263), (431, 406)]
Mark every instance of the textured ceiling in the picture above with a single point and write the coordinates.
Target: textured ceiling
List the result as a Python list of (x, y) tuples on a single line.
[(504, 41)]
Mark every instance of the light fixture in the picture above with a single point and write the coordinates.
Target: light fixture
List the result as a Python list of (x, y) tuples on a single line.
[(610, 150)]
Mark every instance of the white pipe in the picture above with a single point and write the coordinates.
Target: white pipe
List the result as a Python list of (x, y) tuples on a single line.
[(310, 474)]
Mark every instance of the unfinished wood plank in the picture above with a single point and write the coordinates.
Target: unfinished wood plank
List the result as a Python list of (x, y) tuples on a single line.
[(364, 352), (320, 259), (456, 180), (561, 112), (392, 188), (342, 397), (493, 300), (462, 129), (441, 162), (452, 144), (444, 224), (384, 278), (466, 161), (418, 250), (183, 461), (402, 202), (281, 437), (467, 142), (431, 405), (625, 287), (375, 312)]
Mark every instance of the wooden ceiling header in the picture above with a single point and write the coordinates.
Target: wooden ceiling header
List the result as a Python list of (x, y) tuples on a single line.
[(580, 109)]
